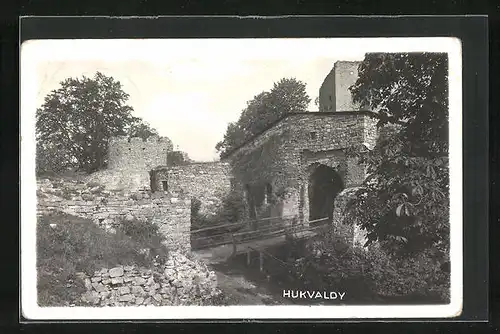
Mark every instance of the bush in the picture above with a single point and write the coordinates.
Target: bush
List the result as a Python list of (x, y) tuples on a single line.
[(146, 234), (73, 245), (231, 211), (419, 276), (233, 208), (331, 260)]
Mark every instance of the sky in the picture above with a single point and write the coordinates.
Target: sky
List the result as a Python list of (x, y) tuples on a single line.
[(189, 90)]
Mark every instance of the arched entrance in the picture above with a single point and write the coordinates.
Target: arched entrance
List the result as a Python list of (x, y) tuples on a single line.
[(324, 185)]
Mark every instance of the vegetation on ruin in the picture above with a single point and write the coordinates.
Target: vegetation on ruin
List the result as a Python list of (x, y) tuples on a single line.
[(403, 204), (67, 244), (254, 166), (287, 95), (231, 210), (76, 121)]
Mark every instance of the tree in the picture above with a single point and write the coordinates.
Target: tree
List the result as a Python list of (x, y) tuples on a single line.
[(404, 202), (287, 95), (76, 120), (234, 137), (139, 128)]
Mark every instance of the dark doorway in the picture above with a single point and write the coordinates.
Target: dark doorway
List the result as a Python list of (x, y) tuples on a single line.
[(324, 185), (252, 209), (152, 181), (164, 185)]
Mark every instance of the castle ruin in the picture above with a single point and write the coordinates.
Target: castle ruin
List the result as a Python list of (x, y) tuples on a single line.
[(297, 167)]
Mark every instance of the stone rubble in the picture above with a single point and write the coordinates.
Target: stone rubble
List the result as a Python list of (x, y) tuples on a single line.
[(180, 281), (107, 208)]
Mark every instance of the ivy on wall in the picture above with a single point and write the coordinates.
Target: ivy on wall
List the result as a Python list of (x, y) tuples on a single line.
[(264, 165)]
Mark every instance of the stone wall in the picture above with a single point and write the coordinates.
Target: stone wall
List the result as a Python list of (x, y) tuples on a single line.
[(138, 154), (334, 94), (300, 141), (208, 182), (346, 74), (180, 281), (327, 93), (104, 207), (357, 235), (316, 131), (130, 160)]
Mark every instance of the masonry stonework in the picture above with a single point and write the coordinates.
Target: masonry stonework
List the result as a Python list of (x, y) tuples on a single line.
[(180, 281), (136, 154), (106, 208), (346, 74), (275, 170), (130, 160), (207, 182), (334, 93), (300, 143), (327, 93)]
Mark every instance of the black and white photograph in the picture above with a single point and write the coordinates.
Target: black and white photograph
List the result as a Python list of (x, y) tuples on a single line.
[(241, 178)]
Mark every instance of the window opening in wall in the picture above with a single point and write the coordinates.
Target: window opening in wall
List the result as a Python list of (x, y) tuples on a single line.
[(330, 97), (129, 149), (313, 135), (143, 148), (164, 185)]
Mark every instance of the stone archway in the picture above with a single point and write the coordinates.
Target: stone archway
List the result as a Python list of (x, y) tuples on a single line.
[(325, 184)]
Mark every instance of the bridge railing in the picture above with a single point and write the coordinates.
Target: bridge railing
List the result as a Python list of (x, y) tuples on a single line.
[(237, 233), (220, 234)]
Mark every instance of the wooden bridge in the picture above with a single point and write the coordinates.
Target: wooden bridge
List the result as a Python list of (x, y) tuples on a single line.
[(221, 242)]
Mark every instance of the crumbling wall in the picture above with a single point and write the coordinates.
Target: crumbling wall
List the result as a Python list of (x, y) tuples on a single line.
[(208, 182), (327, 93), (130, 160), (105, 208), (334, 93), (138, 154), (346, 74), (282, 155), (180, 281)]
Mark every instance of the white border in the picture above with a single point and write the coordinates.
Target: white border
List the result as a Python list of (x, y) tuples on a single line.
[(31, 54)]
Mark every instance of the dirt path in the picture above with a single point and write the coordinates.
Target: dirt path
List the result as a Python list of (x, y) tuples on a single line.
[(240, 291), (235, 286)]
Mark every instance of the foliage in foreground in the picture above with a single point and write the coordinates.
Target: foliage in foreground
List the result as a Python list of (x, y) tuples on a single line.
[(78, 245), (76, 121), (404, 202), (372, 272)]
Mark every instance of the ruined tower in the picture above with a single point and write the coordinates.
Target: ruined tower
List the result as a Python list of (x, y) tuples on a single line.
[(134, 154), (131, 159), (334, 94)]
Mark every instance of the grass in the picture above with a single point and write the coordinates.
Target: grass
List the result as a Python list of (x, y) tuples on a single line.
[(77, 245)]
